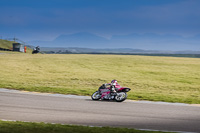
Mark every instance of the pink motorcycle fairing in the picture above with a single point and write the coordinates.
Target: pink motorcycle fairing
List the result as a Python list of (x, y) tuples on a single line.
[(124, 88), (106, 91)]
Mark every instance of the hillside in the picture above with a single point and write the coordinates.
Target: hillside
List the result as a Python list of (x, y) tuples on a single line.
[(5, 44)]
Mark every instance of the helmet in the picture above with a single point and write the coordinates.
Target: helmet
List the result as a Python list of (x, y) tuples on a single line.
[(114, 82)]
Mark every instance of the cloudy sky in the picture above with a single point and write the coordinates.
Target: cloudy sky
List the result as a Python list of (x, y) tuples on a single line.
[(47, 19)]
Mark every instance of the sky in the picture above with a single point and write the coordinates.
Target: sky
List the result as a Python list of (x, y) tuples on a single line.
[(45, 20)]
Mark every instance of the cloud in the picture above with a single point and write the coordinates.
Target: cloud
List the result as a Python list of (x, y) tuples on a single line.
[(101, 17), (167, 18)]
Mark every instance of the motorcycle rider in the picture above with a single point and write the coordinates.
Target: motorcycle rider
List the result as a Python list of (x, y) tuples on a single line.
[(36, 50), (111, 91), (113, 86)]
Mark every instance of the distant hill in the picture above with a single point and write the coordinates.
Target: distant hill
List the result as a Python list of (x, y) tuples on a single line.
[(82, 36), (75, 50), (124, 51), (82, 39), (148, 41)]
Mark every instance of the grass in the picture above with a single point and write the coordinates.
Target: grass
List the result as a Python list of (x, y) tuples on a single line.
[(6, 44), (30, 127), (168, 79)]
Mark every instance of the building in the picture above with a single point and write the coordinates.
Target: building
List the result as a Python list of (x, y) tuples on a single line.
[(18, 47)]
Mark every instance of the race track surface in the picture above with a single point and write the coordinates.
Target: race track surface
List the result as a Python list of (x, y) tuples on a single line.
[(67, 109)]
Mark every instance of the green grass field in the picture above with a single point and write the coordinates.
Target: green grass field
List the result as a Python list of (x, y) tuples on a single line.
[(30, 127), (166, 79), (6, 44)]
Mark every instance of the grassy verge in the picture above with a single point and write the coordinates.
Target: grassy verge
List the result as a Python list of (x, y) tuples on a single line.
[(30, 127), (9, 52), (168, 79)]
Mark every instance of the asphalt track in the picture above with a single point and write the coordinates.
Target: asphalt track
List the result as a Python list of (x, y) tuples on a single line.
[(81, 110)]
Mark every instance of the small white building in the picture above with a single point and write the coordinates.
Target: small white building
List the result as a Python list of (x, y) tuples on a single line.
[(18, 47)]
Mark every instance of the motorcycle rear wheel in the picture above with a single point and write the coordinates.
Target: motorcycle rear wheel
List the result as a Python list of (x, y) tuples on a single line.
[(121, 96), (96, 95)]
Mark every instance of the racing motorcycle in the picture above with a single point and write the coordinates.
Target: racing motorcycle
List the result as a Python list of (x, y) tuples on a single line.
[(104, 93)]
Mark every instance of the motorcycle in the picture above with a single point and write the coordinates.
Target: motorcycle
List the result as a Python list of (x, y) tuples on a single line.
[(36, 50), (104, 93)]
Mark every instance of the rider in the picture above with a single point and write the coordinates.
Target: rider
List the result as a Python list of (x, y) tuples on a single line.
[(38, 48), (113, 86)]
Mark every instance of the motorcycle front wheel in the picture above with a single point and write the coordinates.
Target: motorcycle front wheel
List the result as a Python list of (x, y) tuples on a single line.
[(121, 96), (96, 95)]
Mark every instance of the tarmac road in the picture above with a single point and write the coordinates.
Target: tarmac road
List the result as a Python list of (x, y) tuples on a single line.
[(67, 109)]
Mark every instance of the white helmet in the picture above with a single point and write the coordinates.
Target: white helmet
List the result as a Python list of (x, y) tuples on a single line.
[(114, 82)]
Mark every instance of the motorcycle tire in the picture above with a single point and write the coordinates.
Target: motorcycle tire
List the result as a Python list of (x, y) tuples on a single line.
[(96, 95), (121, 96)]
